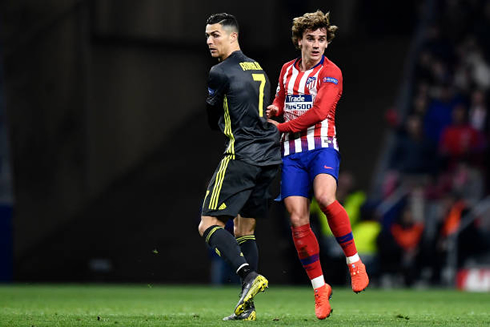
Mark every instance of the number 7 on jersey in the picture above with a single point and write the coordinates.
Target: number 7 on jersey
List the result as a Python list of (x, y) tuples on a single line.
[(260, 78)]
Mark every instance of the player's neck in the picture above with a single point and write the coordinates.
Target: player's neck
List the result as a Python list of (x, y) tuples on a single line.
[(232, 49), (305, 65)]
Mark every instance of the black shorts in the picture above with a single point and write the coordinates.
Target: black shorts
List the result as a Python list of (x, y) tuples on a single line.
[(239, 188)]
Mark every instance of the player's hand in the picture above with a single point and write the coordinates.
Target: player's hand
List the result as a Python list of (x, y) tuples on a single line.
[(275, 123), (271, 111)]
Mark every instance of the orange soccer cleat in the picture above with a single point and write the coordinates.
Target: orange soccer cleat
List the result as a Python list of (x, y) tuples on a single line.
[(359, 276), (322, 305)]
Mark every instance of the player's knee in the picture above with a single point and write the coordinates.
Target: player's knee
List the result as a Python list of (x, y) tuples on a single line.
[(202, 227), (324, 200), (298, 219), (208, 221)]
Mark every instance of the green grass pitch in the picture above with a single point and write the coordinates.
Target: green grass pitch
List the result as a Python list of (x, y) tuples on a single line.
[(165, 305)]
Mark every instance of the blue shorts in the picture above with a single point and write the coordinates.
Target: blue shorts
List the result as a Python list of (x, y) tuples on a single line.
[(300, 169)]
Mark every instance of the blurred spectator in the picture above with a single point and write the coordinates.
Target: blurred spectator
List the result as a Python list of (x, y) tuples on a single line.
[(351, 198), (439, 112), (420, 103), (466, 181), (470, 242), (407, 233), (413, 153), (478, 113), (438, 44), (462, 76), (460, 141), (422, 70), (480, 69)]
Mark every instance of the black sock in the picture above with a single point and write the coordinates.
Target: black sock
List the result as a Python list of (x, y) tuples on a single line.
[(248, 245), (244, 271), (225, 246)]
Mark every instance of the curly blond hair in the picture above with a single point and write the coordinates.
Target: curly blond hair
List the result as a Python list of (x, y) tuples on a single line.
[(312, 21)]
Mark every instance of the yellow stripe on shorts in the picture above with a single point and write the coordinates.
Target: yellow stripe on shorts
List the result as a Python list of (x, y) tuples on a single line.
[(220, 176)]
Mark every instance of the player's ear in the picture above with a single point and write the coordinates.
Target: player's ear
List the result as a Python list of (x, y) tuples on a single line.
[(234, 36)]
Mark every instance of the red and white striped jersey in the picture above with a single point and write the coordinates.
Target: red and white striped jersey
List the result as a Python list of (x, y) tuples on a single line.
[(307, 100)]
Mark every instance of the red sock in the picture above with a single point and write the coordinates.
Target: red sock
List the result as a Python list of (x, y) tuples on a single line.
[(339, 223), (308, 250)]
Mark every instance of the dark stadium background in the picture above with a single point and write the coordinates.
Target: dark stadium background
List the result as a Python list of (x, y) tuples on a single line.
[(109, 150)]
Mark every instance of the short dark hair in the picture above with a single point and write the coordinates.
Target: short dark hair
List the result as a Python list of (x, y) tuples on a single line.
[(226, 20)]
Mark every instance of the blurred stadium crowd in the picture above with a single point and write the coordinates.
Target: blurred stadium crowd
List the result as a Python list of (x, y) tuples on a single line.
[(434, 215)]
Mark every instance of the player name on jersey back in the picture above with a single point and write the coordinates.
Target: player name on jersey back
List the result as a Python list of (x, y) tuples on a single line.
[(250, 65)]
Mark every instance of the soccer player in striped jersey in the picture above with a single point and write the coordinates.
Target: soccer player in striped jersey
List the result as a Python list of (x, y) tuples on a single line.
[(239, 93), (307, 95)]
